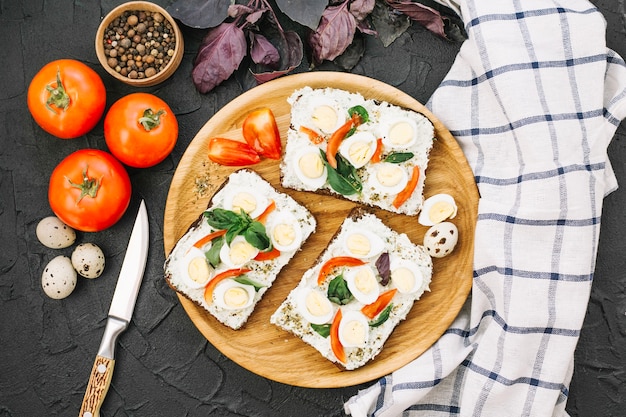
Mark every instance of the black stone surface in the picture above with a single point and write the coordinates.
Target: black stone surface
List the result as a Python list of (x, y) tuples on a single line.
[(164, 365)]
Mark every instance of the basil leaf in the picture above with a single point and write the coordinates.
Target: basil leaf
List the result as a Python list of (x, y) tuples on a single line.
[(213, 254), (398, 157), (221, 219), (337, 181), (382, 265), (256, 235), (382, 317), (232, 232), (338, 291), (322, 329), (243, 279), (361, 111)]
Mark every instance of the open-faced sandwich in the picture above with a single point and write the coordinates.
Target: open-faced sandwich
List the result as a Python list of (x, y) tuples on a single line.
[(366, 151), (232, 254), (360, 288)]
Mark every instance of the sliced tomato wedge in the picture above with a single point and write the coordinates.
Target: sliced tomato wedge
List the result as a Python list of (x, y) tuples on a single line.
[(374, 309), (268, 255), (338, 136), (230, 273), (335, 343), (231, 152), (408, 190), (261, 132), (335, 262), (206, 239)]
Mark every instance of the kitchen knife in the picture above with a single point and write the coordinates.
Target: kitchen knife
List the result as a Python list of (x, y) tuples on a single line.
[(120, 312)]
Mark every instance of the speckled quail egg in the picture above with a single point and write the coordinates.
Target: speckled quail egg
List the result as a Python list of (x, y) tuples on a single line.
[(358, 148), (441, 239), (249, 200), (436, 209), (58, 279), (238, 253), (233, 295), (196, 270), (310, 168), (362, 244), (406, 275), (285, 231), (388, 178), (353, 329), (363, 284), (314, 306), (55, 234), (88, 260)]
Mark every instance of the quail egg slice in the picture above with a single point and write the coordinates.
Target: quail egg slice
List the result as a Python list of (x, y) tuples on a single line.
[(363, 284), (406, 275), (238, 253), (436, 209), (353, 329), (358, 148), (362, 244), (247, 199), (310, 168), (388, 178), (325, 115), (401, 133), (285, 232), (195, 268), (314, 306), (232, 295)]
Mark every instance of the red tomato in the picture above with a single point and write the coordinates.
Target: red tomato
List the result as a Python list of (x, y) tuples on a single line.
[(89, 190), (232, 152), (66, 98), (261, 132), (141, 130)]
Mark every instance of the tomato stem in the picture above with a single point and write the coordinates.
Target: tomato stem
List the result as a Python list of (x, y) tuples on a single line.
[(89, 186), (150, 119), (58, 96)]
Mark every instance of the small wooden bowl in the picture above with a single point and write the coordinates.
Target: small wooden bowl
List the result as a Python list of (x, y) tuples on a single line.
[(161, 75)]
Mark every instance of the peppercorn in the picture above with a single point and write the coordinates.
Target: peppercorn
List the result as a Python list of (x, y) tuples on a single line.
[(139, 44)]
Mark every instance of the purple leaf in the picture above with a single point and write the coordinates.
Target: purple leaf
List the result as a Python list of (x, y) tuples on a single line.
[(360, 9), (221, 51), (236, 10), (307, 13), (334, 33), (429, 18), (291, 51), (255, 16), (200, 14), (262, 51)]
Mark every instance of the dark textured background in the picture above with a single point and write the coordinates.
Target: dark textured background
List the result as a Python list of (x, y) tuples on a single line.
[(164, 366)]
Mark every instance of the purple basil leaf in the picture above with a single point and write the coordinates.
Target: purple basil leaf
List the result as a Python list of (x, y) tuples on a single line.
[(382, 264), (352, 55), (360, 9), (389, 23), (291, 51), (426, 16), (262, 51), (334, 33), (255, 16), (201, 14), (220, 54), (236, 10), (307, 13)]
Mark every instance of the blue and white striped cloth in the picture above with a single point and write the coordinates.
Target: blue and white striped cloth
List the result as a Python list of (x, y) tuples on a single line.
[(534, 98)]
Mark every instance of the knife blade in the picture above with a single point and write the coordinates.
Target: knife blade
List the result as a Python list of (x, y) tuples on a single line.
[(120, 312)]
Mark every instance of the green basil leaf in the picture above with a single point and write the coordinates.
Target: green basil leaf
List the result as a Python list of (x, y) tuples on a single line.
[(398, 157), (232, 232), (382, 317), (339, 183), (221, 219), (243, 279), (256, 235), (322, 329), (213, 254), (338, 291), (361, 111), (348, 171)]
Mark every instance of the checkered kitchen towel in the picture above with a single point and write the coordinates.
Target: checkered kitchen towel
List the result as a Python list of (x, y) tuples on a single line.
[(534, 98)]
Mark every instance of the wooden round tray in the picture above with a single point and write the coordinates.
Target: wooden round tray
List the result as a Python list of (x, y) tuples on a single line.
[(264, 348)]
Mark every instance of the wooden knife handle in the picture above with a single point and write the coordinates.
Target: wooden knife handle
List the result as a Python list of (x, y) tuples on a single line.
[(97, 388)]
